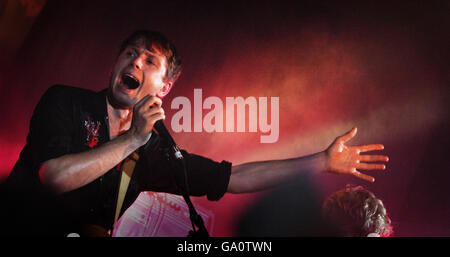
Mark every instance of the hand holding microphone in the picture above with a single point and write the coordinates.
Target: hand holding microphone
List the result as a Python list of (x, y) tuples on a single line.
[(146, 113)]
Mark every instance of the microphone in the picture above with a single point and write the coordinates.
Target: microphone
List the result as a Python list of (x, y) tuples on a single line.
[(164, 133)]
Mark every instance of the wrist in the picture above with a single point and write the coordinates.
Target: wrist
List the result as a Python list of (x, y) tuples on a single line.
[(136, 140), (322, 162)]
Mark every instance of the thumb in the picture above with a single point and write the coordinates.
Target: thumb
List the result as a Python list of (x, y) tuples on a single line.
[(349, 135)]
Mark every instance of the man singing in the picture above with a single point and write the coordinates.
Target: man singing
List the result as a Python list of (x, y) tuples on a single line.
[(78, 141)]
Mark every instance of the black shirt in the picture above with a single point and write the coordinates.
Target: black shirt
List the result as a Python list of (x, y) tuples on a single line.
[(72, 120)]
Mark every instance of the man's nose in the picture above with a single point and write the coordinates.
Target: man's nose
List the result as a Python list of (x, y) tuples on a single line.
[(138, 62)]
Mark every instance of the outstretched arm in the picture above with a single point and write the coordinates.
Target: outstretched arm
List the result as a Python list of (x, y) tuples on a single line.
[(338, 158)]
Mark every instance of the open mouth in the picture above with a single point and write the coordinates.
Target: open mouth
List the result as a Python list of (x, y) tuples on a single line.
[(130, 82)]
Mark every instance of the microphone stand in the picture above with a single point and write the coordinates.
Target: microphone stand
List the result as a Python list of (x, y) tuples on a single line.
[(174, 156)]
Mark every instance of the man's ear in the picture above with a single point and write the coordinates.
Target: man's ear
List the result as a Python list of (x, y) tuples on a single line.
[(165, 89)]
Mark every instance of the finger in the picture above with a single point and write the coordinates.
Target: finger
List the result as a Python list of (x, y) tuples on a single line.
[(349, 135), (147, 102), (373, 158), (370, 166), (142, 101), (151, 102), (363, 176), (152, 111), (155, 117), (367, 148)]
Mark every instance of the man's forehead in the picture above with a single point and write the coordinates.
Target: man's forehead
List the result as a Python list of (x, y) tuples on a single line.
[(152, 50), (147, 47)]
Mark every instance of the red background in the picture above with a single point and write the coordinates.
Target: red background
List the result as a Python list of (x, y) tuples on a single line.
[(380, 66)]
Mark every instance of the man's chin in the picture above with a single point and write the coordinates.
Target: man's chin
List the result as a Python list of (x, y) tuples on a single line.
[(121, 100)]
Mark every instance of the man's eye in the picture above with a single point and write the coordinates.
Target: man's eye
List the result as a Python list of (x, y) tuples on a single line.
[(130, 53), (149, 61)]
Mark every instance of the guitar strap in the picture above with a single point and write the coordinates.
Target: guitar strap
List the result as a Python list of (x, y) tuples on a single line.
[(127, 171), (128, 166)]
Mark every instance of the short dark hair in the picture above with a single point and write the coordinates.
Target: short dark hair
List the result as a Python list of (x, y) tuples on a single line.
[(355, 211), (156, 40)]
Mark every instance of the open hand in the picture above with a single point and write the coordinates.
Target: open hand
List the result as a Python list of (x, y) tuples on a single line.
[(344, 159)]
